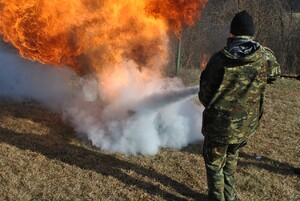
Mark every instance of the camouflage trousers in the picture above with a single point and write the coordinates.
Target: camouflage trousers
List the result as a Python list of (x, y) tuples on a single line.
[(221, 163)]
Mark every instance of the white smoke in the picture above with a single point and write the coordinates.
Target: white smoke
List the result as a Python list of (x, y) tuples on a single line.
[(162, 115)]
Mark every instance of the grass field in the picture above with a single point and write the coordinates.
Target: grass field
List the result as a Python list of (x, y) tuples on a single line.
[(41, 159)]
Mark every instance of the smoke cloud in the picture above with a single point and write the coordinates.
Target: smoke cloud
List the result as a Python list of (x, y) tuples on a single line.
[(135, 122)]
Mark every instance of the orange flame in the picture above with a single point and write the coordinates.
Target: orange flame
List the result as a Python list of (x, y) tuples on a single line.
[(204, 61), (177, 13), (89, 35)]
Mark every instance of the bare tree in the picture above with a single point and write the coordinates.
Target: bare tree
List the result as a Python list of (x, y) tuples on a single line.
[(277, 26)]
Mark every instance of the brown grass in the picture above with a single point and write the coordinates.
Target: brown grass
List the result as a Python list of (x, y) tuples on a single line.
[(41, 159)]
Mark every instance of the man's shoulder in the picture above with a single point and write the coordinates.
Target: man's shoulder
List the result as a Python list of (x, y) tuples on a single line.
[(215, 54), (217, 57), (269, 54), (267, 50)]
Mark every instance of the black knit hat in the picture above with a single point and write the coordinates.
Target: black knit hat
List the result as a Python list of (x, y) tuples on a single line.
[(242, 24)]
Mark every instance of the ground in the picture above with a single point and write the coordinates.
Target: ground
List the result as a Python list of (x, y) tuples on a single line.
[(42, 159)]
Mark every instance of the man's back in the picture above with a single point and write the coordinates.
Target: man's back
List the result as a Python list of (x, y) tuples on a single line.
[(232, 89)]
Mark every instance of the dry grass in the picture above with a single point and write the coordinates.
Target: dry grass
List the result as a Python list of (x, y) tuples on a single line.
[(41, 159)]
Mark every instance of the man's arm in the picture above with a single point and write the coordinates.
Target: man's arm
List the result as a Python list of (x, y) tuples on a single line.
[(274, 70), (210, 81)]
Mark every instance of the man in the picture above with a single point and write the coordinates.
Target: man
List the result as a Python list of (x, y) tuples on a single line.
[(232, 90)]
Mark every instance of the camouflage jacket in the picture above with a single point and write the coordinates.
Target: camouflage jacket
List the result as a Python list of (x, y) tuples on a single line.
[(232, 89)]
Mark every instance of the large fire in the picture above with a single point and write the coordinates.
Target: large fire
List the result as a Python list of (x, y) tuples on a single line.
[(95, 35)]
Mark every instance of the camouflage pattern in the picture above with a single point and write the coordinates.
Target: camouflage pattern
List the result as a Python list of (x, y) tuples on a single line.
[(274, 71), (232, 91), (221, 164)]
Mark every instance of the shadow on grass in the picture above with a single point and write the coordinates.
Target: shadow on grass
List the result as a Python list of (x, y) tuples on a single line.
[(104, 164), (266, 163)]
